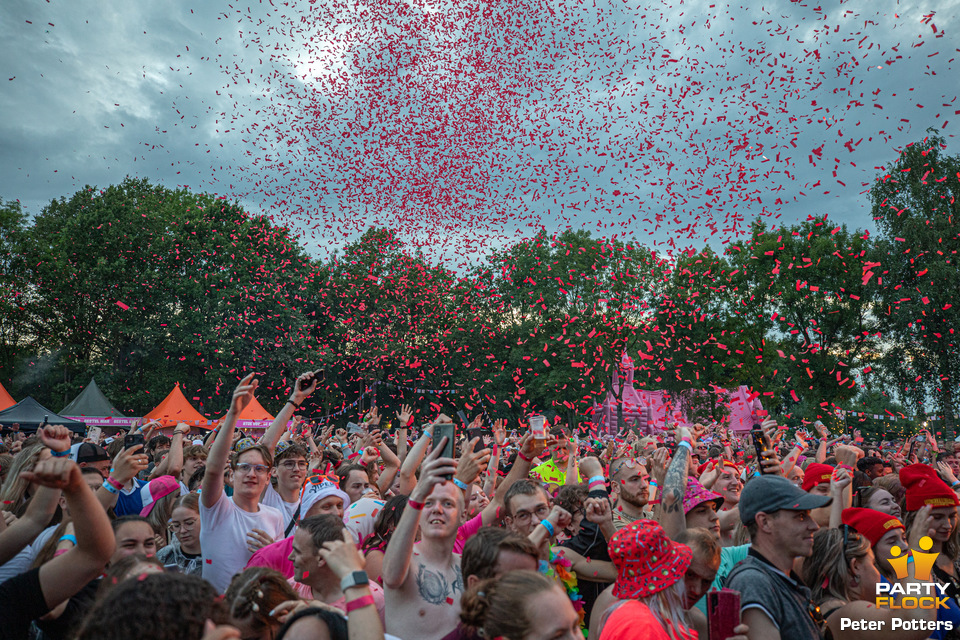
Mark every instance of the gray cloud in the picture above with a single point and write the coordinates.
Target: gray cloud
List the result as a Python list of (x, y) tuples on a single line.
[(184, 95)]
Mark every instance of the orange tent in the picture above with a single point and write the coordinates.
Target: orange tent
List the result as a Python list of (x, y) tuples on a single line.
[(254, 411), (175, 408), (6, 400)]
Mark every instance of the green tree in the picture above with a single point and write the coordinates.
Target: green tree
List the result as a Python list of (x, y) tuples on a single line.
[(915, 204), (802, 300), (145, 286), (14, 292)]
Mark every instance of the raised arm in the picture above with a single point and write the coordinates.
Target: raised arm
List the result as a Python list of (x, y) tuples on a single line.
[(212, 486), (62, 577), (403, 420), (408, 471), (675, 486), (396, 560), (305, 385), (22, 532), (530, 447), (173, 463)]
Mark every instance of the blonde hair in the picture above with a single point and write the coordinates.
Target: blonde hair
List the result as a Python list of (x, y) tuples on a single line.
[(827, 571), (13, 494)]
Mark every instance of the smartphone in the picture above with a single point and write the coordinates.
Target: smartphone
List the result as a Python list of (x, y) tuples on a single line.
[(723, 613), (320, 375), (913, 445), (440, 431), (538, 427), (132, 439), (94, 434), (46, 419), (759, 444), (475, 433), (463, 418)]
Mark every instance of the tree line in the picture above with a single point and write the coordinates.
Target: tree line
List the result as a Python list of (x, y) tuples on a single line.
[(142, 287)]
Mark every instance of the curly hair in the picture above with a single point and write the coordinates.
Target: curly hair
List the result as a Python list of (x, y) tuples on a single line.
[(162, 606)]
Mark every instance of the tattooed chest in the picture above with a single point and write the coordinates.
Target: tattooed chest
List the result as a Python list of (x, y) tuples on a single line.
[(436, 587)]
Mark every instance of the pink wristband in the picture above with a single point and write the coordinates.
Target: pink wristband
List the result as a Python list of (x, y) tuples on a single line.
[(413, 504), (359, 603)]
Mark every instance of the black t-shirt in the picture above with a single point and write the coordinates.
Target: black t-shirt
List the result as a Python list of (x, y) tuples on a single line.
[(590, 543), (66, 625), (21, 602)]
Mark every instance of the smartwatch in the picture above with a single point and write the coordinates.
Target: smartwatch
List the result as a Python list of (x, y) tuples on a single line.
[(355, 579)]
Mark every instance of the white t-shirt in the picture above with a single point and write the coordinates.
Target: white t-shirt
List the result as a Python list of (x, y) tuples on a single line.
[(272, 499), (223, 537)]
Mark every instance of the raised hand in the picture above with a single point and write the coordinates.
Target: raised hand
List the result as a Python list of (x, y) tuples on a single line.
[(55, 473), (597, 510), (472, 463), (55, 437), (305, 385), (404, 415), (434, 471), (342, 556), (243, 394), (128, 463), (373, 418), (499, 432)]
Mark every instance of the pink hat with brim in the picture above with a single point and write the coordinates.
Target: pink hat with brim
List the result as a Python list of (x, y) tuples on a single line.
[(647, 560), (697, 494), (157, 488)]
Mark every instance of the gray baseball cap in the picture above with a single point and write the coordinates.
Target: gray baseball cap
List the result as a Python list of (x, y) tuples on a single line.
[(770, 493)]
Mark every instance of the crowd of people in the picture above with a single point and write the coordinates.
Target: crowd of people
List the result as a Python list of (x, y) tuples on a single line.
[(374, 533)]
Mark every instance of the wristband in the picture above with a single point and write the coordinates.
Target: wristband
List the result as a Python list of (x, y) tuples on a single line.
[(427, 434), (546, 524), (60, 552), (595, 479), (59, 454), (113, 482), (359, 603), (72, 538), (295, 405), (955, 484), (495, 450), (684, 443), (461, 485), (413, 504), (523, 457), (109, 487)]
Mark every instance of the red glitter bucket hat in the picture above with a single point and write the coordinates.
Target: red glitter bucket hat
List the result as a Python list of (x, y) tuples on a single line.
[(647, 560)]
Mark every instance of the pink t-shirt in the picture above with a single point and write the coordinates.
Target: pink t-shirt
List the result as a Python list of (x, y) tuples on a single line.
[(275, 556), (466, 531)]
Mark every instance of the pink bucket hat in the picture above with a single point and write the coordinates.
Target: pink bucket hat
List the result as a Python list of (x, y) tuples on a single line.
[(157, 488), (697, 494), (647, 560)]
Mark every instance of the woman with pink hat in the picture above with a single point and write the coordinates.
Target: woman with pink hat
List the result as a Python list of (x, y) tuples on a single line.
[(650, 570)]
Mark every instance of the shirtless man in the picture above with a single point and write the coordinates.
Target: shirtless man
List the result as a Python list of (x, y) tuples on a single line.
[(423, 584)]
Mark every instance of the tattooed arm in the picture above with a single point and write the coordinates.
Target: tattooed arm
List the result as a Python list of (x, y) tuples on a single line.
[(674, 487)]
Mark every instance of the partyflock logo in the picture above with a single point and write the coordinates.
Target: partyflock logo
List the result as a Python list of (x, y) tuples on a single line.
[(912, 595)]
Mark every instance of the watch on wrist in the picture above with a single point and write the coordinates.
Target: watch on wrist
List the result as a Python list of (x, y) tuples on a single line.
[(354, 579)]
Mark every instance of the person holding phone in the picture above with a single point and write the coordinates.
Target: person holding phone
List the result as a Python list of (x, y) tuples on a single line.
[(423, 583)]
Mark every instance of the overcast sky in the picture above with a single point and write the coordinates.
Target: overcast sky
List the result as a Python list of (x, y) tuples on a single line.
[(466, 126)]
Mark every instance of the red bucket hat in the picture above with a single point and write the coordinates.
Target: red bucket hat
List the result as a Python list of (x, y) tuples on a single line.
[(647, 560), (924, 488), (869, 523), (815, 474)]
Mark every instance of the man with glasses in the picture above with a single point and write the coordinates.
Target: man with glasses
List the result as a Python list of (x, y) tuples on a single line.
[(232, 529), (290, 470)]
